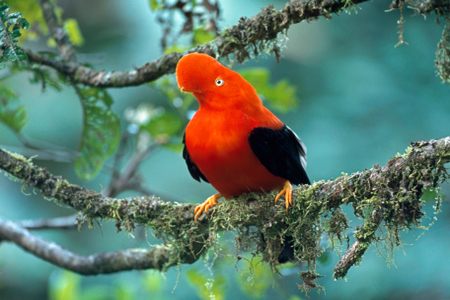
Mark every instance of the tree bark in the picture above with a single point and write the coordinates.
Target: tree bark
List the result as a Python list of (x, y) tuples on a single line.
[(389, 194)]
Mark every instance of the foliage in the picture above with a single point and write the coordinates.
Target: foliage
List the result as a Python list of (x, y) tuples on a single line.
[(72, 28), (258, 280), (198, 17), (152, 281), (101, 132), (207, 288), (41, 75), (10, 31), (281, 96), (64, 285), (31, 9), (73, 31), (164, 124), (12, 114), (168, 87)]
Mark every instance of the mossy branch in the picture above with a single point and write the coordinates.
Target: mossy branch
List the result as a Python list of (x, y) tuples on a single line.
[(250, 37), (389, 194)]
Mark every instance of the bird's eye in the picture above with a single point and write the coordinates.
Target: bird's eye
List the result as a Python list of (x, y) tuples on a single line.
[(219, 82)]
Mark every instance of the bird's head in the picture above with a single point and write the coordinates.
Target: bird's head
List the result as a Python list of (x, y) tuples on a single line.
[(211, 82)]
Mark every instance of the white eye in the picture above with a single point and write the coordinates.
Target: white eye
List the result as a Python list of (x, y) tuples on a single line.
[(219, 82)]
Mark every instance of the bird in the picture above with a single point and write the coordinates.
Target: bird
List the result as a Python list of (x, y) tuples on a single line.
[(233, 141)]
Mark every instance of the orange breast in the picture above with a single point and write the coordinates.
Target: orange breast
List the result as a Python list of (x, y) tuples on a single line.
[(218, 144)]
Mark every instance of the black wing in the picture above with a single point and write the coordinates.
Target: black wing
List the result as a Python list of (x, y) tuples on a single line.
[(192, 167), (281, 152)]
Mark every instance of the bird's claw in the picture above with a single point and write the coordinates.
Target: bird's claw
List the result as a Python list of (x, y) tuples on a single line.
[(210, 202), (287, 192)]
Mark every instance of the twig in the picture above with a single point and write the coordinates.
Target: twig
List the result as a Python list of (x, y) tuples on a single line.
[(52, 223), (64, 156), (364, 237), (126, 179), (57, 32)]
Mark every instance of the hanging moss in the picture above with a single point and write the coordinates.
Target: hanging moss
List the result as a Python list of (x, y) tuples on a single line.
[(443, 54), (387, 197)]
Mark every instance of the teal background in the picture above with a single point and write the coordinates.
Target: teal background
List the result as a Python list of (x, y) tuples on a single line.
[(362, 101)]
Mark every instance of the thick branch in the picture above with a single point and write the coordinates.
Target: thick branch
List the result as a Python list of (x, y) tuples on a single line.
[(150, 208), (394, 190), (158, 258), (242, 40)]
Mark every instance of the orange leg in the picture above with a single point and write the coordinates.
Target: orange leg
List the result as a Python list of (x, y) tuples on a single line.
[(210, 202), (287, 192)]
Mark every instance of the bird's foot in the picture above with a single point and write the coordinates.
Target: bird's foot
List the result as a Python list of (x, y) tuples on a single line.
[(287, 192), (210, 202)]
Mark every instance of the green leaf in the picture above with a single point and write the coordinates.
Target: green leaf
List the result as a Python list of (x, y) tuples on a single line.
[(44, 76), (324, 258), (153, 281), (24, 23), (74, 32), (12, 114), (430, 195), (202, 36), (41, 75), (155, 5), (33, 13), (96, 292), (281, 96), (124, 291), (260, 278), (64, 285), (168, 87), (175, 48), (101, 132), (166, 124), (10, 31), (207, 288)]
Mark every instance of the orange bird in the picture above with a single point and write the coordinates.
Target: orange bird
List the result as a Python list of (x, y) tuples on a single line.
[(233, 141)]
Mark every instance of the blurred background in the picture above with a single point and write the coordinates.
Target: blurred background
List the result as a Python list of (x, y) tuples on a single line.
[(361, 101)]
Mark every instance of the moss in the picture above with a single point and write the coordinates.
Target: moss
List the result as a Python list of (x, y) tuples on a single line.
[(389, 195), (443, 54), (373, 194)]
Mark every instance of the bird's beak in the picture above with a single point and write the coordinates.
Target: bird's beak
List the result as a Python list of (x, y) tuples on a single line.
[(182, 89)]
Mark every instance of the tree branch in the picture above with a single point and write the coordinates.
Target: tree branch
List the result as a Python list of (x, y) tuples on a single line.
[(127, 179), (57, 32), (159, 258), (251, 36), (96, 205), (364, 237), (53, 223), (390, 193)]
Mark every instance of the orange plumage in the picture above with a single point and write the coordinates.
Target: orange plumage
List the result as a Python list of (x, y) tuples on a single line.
[(227, 141)]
